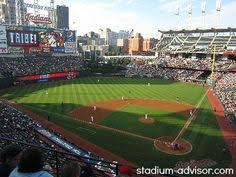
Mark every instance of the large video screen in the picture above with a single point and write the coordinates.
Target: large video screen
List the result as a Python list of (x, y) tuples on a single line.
[(36, 40)]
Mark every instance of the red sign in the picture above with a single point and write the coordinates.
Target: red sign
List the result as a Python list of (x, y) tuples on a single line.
[(230, 53), (37, 19), (48, 76)]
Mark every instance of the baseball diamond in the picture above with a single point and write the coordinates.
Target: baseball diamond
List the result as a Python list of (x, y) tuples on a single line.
[(120, 103)]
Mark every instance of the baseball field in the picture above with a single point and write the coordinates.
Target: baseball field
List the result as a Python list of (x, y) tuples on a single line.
[(125, 116)]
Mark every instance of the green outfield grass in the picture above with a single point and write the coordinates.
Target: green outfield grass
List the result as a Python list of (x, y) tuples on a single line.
[(204, 133), (127, 119)]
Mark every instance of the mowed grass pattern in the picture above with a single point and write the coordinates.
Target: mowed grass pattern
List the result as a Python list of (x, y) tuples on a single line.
[(203, 133), (127, 119), (87, 90)]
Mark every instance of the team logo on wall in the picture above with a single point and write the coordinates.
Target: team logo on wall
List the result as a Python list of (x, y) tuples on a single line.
[(70, 35), (37, 19)]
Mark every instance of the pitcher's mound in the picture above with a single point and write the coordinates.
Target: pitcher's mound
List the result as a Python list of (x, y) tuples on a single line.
[(181, 147), (146, 121)]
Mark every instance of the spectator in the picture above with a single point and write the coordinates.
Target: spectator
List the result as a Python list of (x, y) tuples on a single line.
[(72, 169), (9, 160), (31, 164)]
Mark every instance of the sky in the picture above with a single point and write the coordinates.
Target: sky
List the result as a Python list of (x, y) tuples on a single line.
[(144, 16)]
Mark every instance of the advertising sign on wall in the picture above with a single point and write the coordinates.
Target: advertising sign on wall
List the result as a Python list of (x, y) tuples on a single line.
[(49, 76), (3, 40), (70, 47), (22, 38), (15, 50)]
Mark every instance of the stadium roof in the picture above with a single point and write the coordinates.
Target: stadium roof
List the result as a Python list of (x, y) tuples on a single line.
[(199, 30)]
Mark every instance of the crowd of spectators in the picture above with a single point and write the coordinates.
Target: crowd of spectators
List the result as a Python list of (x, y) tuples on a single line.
[(153, 70), (200, 64), (39, 65), (20, 129), (225, 89), (184, 70), (17, 126)]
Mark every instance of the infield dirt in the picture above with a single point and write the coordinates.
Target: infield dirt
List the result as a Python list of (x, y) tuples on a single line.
[(104, 108)]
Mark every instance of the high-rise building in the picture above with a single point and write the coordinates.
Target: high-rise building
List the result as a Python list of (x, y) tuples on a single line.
[(136, 44), (62, 16), (123, 34), (12, 12), (109, 36), (123, 46), (8, 12), (112, 36), (149, 44)]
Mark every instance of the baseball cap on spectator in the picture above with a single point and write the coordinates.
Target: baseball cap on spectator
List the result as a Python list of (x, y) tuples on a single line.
[(126, 170)]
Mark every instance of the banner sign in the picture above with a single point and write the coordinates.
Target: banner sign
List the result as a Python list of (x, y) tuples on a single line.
[(22, 38), (75, 150), (62, 143), (48, 76)]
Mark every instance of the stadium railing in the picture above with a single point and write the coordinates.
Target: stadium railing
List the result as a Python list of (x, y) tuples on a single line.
[(57, 156), (103, 169)]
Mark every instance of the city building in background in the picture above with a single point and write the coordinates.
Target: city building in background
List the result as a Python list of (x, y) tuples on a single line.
[(8, 12), (12, 12), (149, 44), (123, 34), (123, 46), (136, 45), (91, 45), (62, 17), (112, 36)]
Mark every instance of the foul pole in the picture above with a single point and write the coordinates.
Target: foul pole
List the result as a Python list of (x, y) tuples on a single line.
[(213, 62)]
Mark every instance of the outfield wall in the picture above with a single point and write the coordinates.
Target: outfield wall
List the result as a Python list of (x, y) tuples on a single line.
[(49, 76)]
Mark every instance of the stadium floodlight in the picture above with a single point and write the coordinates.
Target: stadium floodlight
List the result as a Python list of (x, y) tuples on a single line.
[(36, 3), (203, 6), (218, 11), (177, 14), (19, 5), (203, 10), (218, 5), (190, 12)]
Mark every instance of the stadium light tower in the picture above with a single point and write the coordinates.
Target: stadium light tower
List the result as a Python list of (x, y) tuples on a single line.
[(203, 11), (177, 14), (218, 12), (190, 12), (19, 5), (52, 13), (36, 3)]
